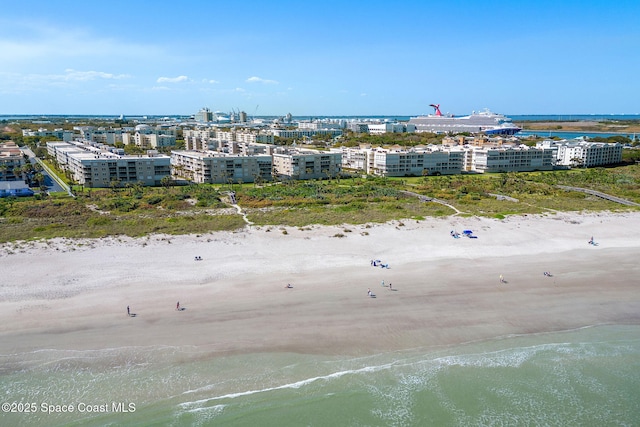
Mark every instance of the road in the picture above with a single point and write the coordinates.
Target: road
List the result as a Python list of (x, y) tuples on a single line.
[(51, 181)]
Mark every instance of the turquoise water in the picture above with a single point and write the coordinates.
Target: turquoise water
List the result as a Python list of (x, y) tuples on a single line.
[(586, 377)]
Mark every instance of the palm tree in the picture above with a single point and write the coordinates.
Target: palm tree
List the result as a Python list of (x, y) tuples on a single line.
[(18, 171), (39, 178)]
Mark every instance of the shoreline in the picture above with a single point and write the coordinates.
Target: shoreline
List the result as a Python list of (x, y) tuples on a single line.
[(72, 295)]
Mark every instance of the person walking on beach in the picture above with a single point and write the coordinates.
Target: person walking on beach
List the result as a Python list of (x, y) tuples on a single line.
[(501, 279), (382, 284), (390, 287), (128, 312), (178, 306)]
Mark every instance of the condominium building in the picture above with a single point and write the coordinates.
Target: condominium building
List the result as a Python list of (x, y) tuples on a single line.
[(102, 135), (219, 140), (431, 160), (301, 133), (504, 158), (580, 153), (381, 128), (150, 138), (198, 139), (11, 162), (61, 134), (446, 160), (321, 124), (306, 164), (96, 167), (211, 167)]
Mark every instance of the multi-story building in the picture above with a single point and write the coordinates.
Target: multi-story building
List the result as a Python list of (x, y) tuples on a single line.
[(580, 153), (205, 115), (150, 138), (198, 139), (102, 135), (11, 162), (306, 164), (446, 160), (381, 128), (321, 124), (431, 160), (61, 134), (219, 140), (505, 158), (211, 167), (301, 133), (96, 167)]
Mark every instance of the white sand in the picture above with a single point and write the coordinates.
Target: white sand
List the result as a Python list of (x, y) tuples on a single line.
[(65, 294)]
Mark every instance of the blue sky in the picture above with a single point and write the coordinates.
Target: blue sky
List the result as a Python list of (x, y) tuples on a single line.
[(319, 58)]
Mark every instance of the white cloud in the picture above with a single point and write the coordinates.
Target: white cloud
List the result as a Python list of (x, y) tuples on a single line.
[(72, 74), (255, 79), (172, 79), (16, 82), (24, 42)]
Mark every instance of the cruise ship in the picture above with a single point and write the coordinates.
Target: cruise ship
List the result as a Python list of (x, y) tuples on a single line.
[(481, 122)]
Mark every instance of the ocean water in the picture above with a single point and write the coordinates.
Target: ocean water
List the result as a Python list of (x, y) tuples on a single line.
[(574, 135), (585, 377)]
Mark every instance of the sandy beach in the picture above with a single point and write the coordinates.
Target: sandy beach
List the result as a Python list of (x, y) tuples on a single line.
[(65, 294)]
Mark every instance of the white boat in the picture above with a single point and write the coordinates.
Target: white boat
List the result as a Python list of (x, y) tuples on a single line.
[(482, 122)]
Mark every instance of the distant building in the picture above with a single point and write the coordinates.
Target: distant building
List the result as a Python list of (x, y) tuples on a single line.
[(61, 134), (321, 124), (381, 128), (148, 137), (102, 135), (301, 133), (198, 139), (205, 115)]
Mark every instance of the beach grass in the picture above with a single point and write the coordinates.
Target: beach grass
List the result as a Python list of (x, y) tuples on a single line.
[(137, 211)]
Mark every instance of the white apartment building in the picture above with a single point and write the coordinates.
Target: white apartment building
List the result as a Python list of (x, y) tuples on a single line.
[(446, 160), (102, 135), (150, 138), (506, 158), (11, 159), (97, 168), (211, 167), (381, 128), (306, 164), (432, 160), (321, 124), (580, 153), (301, 133), (61, 134), (218, 140), (198, 139)]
